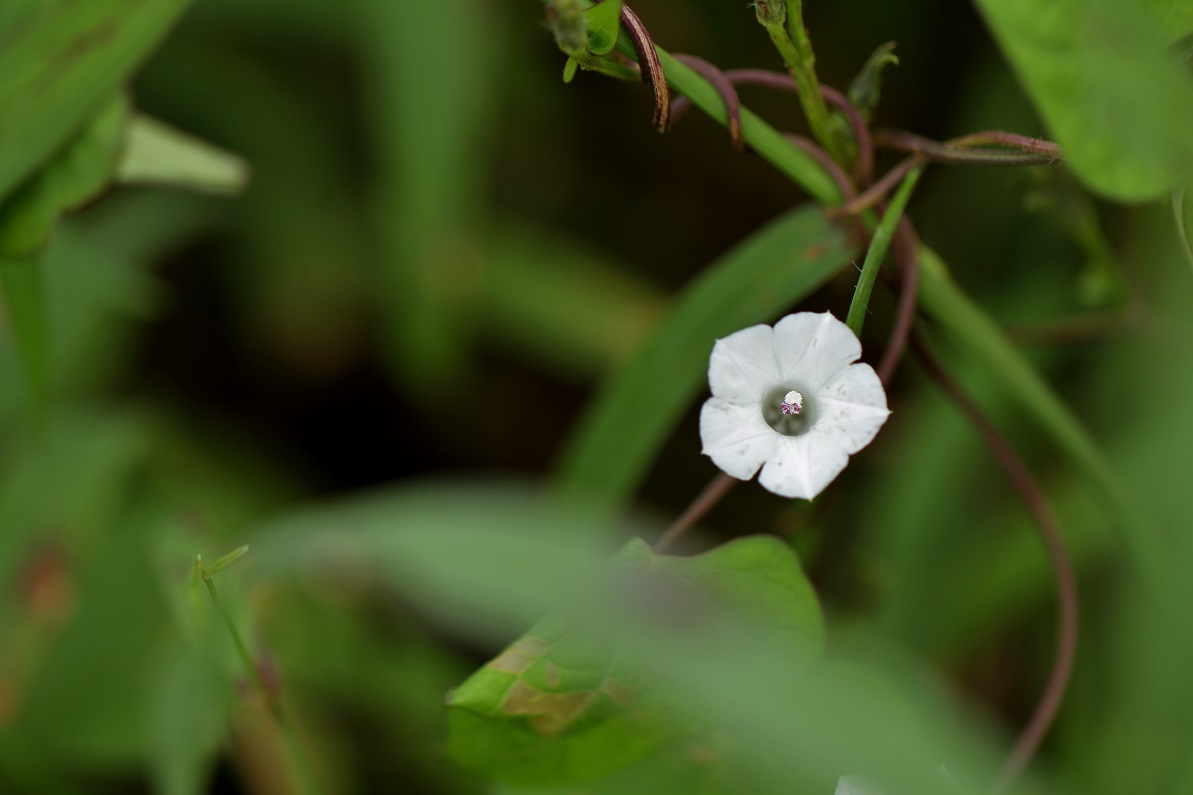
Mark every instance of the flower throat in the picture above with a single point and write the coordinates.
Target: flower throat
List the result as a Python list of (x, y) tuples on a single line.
[(788, 411)]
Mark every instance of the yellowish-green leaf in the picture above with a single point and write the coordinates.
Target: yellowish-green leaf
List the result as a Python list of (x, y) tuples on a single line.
[(1108, 86), (157, 154)]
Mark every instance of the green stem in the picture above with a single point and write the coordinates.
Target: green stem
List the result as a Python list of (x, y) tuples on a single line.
[(764, 139), (242, 648), (879, 245), (304, 775), (800, 167), (801, 63)]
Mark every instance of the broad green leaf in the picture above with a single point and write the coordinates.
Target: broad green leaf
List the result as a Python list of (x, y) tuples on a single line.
[(409, 536), (604, 22), (756, 579), (640, 402), (77, 173), (61, 64), (978, 337), (1106, 84), (799, 720), (156, 153), (560, 705)]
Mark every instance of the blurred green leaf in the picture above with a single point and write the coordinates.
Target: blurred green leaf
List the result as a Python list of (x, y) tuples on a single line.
[(158, 154), (67, 59), (555, 707), (982, 340), (1101, 74), (75, 175), (189, 710), (431, 82), (409, 535), (641, 400), (226, 560), (25, 301), (866, 89), (604, 22), (798, 721), (1176, 16), (548, 296), (14, 12)]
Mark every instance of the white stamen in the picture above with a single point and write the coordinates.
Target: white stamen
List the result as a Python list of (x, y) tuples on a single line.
[(794, 398)]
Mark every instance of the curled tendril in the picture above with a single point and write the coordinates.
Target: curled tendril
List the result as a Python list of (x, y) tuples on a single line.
[(652, 69), (724, 86)]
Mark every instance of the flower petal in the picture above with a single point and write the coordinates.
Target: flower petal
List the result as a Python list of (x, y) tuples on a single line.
[(801, 466), (851, 408), (742, 367), (812, 348), (736, 437)]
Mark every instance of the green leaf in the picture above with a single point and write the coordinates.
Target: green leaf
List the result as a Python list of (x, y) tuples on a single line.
[(639, 404), (61, 64), (799, 718), (561, 705), (1101, 74), (757, 579), (76, 174), (604, 23), (157, 154), (866, 89), (226, 560), (189, 706), (569, 70), (410, 536)]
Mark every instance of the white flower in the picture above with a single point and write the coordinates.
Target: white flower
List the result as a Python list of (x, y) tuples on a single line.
[(758, 374)]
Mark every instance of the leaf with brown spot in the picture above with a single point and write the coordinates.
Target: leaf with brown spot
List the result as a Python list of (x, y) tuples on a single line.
[(561, 706)]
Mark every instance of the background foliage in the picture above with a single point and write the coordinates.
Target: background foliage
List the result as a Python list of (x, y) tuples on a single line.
[(440, 260)]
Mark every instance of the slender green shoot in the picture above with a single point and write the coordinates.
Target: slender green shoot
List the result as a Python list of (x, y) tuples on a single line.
[(879, 245), (242, 649)]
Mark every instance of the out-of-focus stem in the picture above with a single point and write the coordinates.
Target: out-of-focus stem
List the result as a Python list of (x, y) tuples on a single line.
[(717, 488), (797, 54), (1062, 566)]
